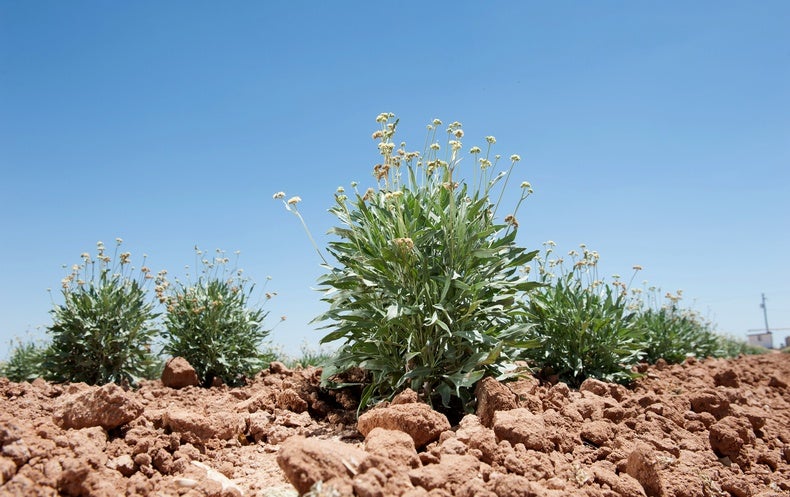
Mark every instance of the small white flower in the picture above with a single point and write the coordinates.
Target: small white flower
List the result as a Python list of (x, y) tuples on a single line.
[(490, 139), (474, 150), (278, 195), (437, 122), (435, 146), (637, 267), (294, 200), (525, 184), (515, 158)]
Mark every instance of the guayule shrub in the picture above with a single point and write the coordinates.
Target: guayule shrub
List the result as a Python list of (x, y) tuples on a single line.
[(103, 331), (213, 324), (584, 325), (426, 285)]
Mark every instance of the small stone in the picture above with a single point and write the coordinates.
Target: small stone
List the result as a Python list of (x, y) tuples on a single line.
[(178, 373)]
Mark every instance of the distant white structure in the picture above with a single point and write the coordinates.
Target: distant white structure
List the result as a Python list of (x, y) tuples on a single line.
[(764, 339)]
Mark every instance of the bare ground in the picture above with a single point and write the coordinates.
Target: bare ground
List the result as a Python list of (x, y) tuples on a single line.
[(703, 428)]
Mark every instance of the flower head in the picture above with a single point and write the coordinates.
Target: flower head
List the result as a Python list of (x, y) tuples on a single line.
[(515, 158), (278, 195), (294, 200), (491, 140)]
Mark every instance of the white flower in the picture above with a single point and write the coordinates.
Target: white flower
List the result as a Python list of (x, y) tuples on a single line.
[(437, 122), (474, 150), (435, 146), (278, 195), (294, 200), (525, 184), (515, 158), (490, 139), (637, 267)]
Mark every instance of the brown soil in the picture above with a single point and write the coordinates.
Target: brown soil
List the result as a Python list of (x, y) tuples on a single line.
[(708, 428)]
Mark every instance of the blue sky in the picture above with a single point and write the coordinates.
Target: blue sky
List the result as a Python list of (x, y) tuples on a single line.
[(658, 133)]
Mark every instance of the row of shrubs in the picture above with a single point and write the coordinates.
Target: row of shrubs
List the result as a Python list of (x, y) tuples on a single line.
[(428, 289), (108, 326)]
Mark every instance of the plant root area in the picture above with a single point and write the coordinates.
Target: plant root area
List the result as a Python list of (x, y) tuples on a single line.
[(702, 428)]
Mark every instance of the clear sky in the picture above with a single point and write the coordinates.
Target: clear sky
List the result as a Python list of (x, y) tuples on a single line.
[(658, 133)]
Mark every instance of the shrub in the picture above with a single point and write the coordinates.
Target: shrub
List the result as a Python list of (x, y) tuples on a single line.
[(24, 362), (212, 324), (673, 333), (102, 332), (426, 286), (733, 347), (584, 326)]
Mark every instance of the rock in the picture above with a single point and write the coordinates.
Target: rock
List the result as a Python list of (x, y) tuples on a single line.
[(727, 378), (710, 401), (290, 400), (643, 467), (623, 485), (278, 367), (492, 396), (394, 445), (729, 435), (422, 423), (407, 396), (307, 461), (510, 485), (123, 464), (777, 381), (178, 373), (107, 406), (221, 425), (522, 426), (452, 471), (598, 432), (592, 385)]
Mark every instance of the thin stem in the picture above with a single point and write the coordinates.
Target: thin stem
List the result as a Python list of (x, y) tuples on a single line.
[(309, 235)]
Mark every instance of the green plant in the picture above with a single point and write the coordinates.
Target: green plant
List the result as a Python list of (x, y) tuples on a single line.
[(426, 287), (584, 325), (733, 347), (310, 356), (24, 362), (212, 324), (102, 332), (673, 333)]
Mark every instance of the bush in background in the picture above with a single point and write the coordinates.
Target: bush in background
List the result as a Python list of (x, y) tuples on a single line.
[(24, 362), (103, 331), (583, 325), (212, 323)]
